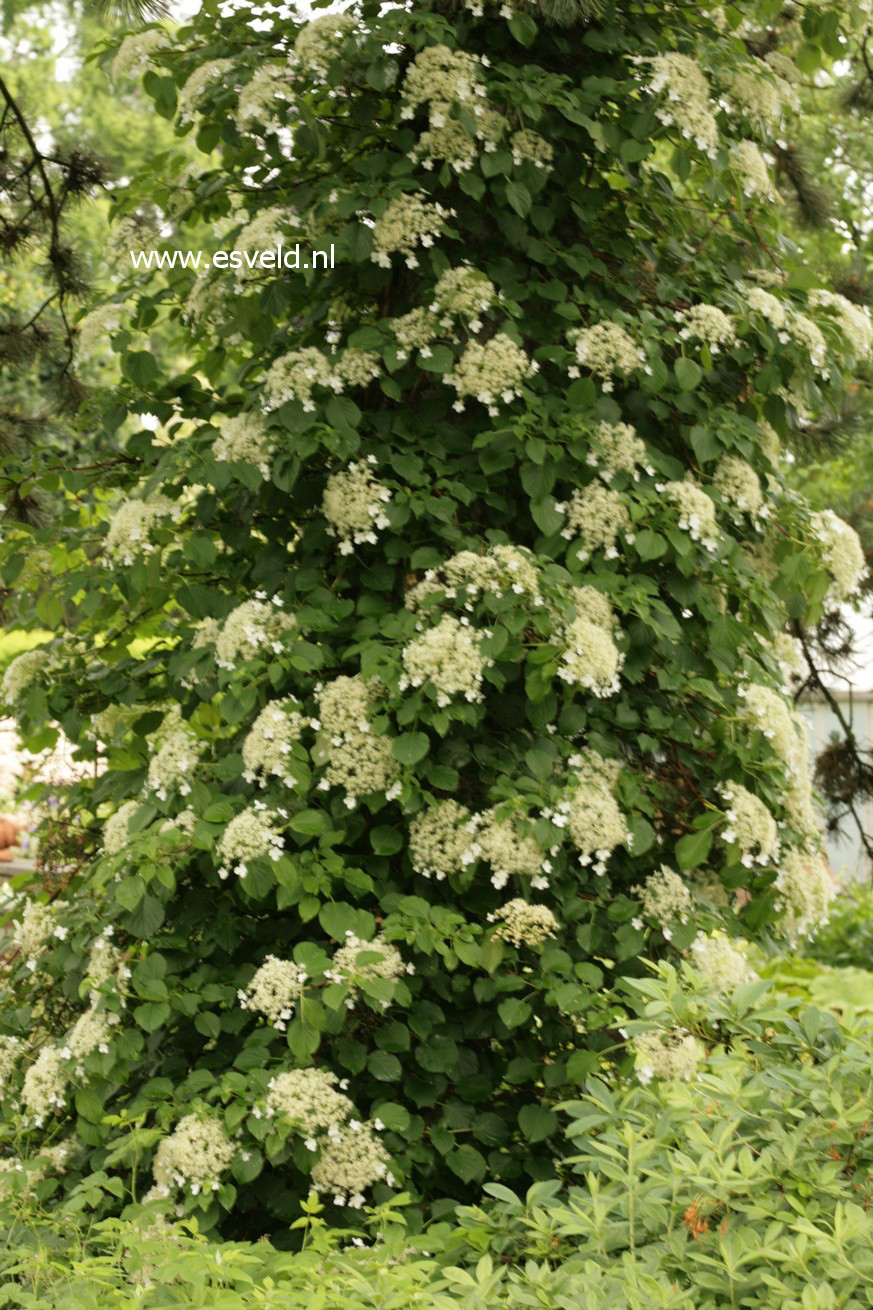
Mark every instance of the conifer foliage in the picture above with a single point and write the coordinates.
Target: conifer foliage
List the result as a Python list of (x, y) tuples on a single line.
[(431, 651)]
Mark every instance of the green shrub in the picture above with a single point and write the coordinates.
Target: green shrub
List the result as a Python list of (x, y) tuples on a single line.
[(430, 660), (748, 1185)]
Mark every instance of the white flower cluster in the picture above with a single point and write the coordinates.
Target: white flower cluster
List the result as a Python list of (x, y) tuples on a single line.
[(696, 511), (173, 763), (529, 147), (360, 761), (709, 324), (853, 321), (449, 657), (319, 43), (669, 1053), (491, 373), (752, 173), (511, 853), (267, 746), (440, 77), (591, 605), (105, 962), (465, 293), (665, 899), (91, 1032), (687, 104), (250, 835), (440, 839), (591, 814), (596, 515), (607, 349), (357, 962), (129, 529), (769, 712), (268, 227), (843, 555), (737, 482), (809, 336), (255, 628), (200, 82), (760, 97), (789, 653), (115, 829), (309, 1102), (354, 506), (721, 965), (590, 658), (767, 305), (356, 368), (21, 673), (408, 221), (93, 330), (618, 450), (193, 1157), (500, 571), (446, 80), (34, 928), (10, 1053), (805, 888), (350, 1163), (44, 1088), (295, 376), (415, 331), (275, 991), (523, 924), (135, 52), (257, 98), (751, 826), (243, 439)]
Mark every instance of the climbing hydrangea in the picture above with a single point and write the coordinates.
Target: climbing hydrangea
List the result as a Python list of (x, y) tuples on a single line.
[(193, 1157), (669, 1053), (686, 102), (252, 629), (350, 1163), (308, 1100), (510, 852), (720, 963), (665, 899), (596, 515), (608, 350), (843, 554), (491, 373), (708, 324), (267, 747), (440, 839), (354, 506), (408, 221), (523, 924), (249, 836), (244, 438), (21, 673), (448, 657), (274, 991), (751, 826), (357, 962), (360, 761), (805, 889)]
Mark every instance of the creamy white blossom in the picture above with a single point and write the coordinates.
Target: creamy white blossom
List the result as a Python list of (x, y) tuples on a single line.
[(275, 991), (354, 505)]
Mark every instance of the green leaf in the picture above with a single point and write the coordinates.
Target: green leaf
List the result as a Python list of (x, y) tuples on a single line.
[(688, 373), (385, 1068), (308, 823), (514, 1012), (146, 919), (386, 841), (536, 1122), (129, 892), (519, 197), (649, 545), (693, 849), (467, 1163), (151, 1015), (411, 747), (523, 28)]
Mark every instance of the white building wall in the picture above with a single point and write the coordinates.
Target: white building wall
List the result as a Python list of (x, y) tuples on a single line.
[(845, 853)]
